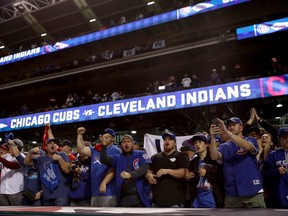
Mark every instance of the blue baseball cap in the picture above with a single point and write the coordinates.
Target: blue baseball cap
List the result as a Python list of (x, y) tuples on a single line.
[(109, 131), (235, 120), (52, 140), (67, 142), (187, 145), (199, 137), (171, 135), (253, 128), (283, 131)]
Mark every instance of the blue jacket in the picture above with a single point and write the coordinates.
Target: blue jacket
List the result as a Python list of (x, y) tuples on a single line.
[(135, 160), (278, 184), (99, 171)]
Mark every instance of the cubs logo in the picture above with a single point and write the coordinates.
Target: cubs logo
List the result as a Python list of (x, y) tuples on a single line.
[(136, 163), (241, 152), (185, 11), (262, 28)]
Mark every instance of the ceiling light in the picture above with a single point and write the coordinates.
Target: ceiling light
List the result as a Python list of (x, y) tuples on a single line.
[(34, 142), (277, 117), (133, 132), (43, 35), (279, 105), (151, 3), (92, 20), (2, 47)]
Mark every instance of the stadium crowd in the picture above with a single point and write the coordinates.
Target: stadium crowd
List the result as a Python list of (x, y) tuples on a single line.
[(233, 165)]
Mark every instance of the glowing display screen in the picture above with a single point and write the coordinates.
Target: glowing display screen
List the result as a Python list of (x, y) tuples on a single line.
[(256, 30), (230, 92)]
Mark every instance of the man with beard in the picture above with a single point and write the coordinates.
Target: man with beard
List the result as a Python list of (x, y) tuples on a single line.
[(167, 175), (130, 168)]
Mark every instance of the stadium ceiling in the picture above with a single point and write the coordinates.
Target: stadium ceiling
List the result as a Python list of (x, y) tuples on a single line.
[(22, 22)]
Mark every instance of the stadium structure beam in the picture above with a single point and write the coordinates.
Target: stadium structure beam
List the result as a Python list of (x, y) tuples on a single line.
[(16, 9)]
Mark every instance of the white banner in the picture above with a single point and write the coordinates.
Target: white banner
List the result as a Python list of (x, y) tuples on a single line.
[(158, 44), (153, 144), (130, 52), (107, 55)]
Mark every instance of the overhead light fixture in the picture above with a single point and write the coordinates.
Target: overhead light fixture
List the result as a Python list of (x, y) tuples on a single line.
[(151, 3), (34, 142), (92, 20), (277, 117), (133, 132), (2, 47), (279, 105), (43, 35)]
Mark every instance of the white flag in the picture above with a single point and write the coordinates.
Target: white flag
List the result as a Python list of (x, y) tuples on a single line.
[(158, 44), (153, 144), (130, 52), (107, 55)]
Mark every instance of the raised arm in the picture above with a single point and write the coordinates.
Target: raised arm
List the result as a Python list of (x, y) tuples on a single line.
[(81, 148), (10, 164), (237, 139), (16, 153), (28, 157), (50, 134), (214, 153)]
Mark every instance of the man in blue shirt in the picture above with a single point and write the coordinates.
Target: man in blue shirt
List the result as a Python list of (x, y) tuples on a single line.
[(103, 184), (242, 179), (54, 169)]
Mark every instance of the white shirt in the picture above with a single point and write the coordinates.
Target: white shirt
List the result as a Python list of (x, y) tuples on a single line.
[(11, 181), (186, 82)]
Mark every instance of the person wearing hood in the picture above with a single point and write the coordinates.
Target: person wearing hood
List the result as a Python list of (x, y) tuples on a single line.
[(130, 168)]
